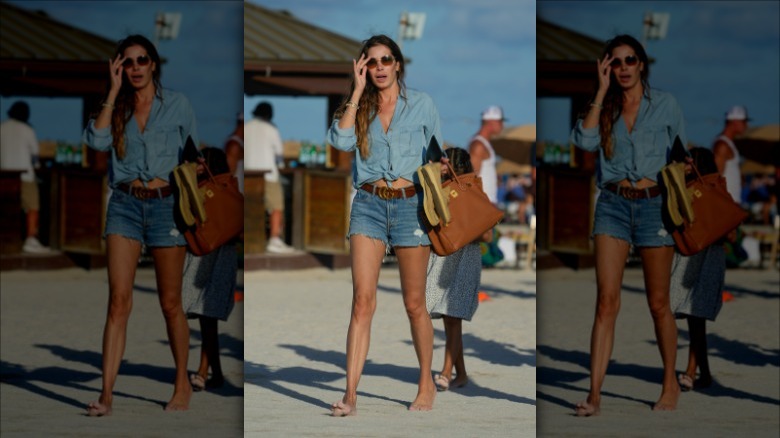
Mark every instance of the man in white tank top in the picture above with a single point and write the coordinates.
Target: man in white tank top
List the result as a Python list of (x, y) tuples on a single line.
[(726, 154), (483, 157)]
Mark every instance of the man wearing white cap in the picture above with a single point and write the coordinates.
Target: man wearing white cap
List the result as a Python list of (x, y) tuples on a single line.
[(726, 155), (483, 157)]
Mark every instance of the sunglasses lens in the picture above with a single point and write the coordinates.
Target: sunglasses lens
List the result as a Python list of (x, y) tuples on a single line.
[(141, 61), (371, 63), (629, 61), (387, 61)]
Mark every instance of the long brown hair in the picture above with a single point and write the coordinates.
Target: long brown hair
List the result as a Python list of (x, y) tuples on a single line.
[(369, 100), (613, 101), (125, 100)]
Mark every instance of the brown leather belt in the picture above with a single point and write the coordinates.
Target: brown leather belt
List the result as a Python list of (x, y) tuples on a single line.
[(144, 193), (632, 193), (390, 193)]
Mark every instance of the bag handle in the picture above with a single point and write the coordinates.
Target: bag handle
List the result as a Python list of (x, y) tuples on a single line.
[(454, 175), (189, 147), (679, 146)]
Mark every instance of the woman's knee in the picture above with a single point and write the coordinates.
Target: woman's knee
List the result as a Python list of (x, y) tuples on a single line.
[(608, 306), (363, 305), (415, 308), (120, 305), (659, 307), (171, 308)]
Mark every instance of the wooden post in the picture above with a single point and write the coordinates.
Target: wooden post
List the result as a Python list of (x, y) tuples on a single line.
[(254, 212)]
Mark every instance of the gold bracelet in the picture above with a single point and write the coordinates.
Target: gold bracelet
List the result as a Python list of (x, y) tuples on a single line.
[(352, 104), (109, 105), (597, 105)]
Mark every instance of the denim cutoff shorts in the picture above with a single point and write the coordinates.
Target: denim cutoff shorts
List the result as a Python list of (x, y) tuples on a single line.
[(149, 221), (638, 221), (396, 222)]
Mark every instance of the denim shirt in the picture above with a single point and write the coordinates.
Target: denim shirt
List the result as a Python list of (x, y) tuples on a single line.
[(155, 152), (399, 152), (645, 150)]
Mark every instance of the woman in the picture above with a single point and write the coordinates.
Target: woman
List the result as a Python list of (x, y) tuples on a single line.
[(391, 127), (451, 291), (145, 127), (633, 127)]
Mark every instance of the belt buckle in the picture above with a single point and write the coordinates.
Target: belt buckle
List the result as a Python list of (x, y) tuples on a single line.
[(139, 193), (384, 192), (631, 193)]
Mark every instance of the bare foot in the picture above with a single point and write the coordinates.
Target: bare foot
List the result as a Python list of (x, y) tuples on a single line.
[(668, 400), (424, 400), (97, 409), (587, 408), (215, 382), (459, 381), (342, 409), (180, 400), (703, 382)]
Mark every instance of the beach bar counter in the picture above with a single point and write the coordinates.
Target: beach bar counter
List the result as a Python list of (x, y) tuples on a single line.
[(566, 200)]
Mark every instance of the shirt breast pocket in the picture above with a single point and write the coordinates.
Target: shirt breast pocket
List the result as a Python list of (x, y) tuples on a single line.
[(653, 141), (165, 140), (411, 141)]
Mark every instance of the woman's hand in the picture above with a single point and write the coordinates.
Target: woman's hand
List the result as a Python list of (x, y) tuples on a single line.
[(115, 69), (604, 71), (360, 70)]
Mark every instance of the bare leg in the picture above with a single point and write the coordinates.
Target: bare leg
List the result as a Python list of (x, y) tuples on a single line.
[(413, 264), (449, 350), (611, 255), (122, 254), (210, 353), (367, 255), (657, 267), (697, 327), (453, 354), (203, 366), (32, 223), (275, 224), (168, 266)]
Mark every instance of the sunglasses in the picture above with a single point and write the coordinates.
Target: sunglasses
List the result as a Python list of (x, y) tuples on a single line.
[(628, 61), (141, 61), (387, 61)]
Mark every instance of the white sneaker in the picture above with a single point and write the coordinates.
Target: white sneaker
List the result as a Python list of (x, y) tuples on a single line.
[(277, 246), (33, 246)]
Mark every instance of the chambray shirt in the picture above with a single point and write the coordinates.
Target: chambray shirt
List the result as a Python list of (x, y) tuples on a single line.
[(399, 152), (645, 150), (156, 151)]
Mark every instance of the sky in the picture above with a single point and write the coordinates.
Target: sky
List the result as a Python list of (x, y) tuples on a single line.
[(716, 54), (205, 62), (472, 54)]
